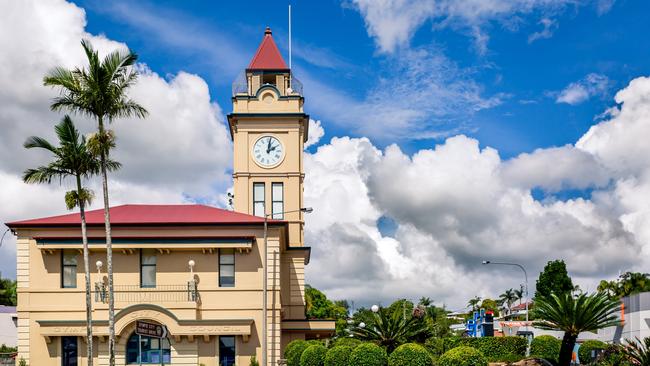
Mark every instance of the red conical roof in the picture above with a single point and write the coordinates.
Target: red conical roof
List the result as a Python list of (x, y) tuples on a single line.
[(268, 55)]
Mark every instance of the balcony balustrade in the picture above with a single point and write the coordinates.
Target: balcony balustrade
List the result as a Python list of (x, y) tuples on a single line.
[(188, 292)]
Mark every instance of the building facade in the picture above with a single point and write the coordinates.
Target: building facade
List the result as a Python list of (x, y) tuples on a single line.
[(196, 276)]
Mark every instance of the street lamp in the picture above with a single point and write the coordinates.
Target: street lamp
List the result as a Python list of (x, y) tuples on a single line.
[(525, 278), (265, 290), (3, 236)]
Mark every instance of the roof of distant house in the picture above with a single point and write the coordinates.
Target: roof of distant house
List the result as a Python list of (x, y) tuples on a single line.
[(7, 309), (268, 55), (148, 215)]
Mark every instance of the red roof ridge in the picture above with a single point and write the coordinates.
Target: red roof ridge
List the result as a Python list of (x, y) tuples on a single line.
[(268, 55)]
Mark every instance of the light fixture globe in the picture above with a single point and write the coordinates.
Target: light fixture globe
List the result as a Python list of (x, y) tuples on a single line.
[(99, 264), (191, 263), (362, 325), (374, 308)]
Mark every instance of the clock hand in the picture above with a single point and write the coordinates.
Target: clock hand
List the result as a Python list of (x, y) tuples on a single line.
[(268, 147)]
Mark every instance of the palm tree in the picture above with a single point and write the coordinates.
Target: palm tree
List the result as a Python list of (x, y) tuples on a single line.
[(474, 303), (574, 315), (425, 301), (390, 329), (100, 92), (638, 352), (72, 159), (519, 294), (508, 297)]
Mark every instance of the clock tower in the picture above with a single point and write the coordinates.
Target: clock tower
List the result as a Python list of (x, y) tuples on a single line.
[(269, 129)]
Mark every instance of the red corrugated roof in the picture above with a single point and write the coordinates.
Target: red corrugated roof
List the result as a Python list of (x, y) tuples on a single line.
[(148, 214), (268, 55)]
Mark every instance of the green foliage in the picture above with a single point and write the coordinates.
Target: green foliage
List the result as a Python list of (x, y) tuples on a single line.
[(638, 352), (6, 349), (508, 297), (346, 341), (410, 354), (574, 315), (8, 292), (294, 350), (554, 279), (489, 304), (338, 356), (613, 355), (435, 346), (546, 347), (313, 355), (627, 284), (584, 352), (368, 354), (22, 362), (254, 362), (462, 356), (390, 329), (319, 307), (474, 303), (495, 349)]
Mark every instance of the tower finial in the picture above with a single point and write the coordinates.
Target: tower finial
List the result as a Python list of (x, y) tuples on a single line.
[(268, 31)]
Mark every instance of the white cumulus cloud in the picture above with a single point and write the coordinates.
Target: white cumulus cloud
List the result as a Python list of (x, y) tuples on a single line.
[(577, 92)]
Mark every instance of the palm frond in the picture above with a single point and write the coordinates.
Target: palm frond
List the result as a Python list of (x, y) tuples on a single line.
[(41, 143)]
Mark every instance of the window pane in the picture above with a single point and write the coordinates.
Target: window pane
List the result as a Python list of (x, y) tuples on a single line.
[(277, 210), (258, 192), (258, 209), (277, 192), (148, 256), (227, 256), (226, 351), (227, 270), (148, 278), (70, 257), (69, 351), (70, 276)]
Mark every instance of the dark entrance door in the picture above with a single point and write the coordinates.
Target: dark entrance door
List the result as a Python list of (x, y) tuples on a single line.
[(69, 351)]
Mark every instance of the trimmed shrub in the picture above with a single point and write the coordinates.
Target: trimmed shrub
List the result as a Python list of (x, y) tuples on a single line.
[(313, 355), (410, 354), (462, 356), (546, 347), (584, 352), (338, 356), (495, 349), (368, 354), (346, 341), (435, 346), (294, 350)]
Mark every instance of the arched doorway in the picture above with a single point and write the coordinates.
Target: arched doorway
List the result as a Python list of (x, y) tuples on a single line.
[(143, 350)]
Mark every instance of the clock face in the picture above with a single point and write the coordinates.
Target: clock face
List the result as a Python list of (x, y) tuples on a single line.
[(268, 151)]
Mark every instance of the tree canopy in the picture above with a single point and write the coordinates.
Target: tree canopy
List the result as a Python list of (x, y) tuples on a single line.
[(554, 279)]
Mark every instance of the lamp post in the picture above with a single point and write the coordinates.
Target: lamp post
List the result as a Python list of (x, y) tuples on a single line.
[(525, 278), (265, 286), (3, 236)]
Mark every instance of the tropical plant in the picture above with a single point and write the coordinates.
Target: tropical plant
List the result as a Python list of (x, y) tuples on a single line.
[(554, 279), (425, 301), (99, 91), (389, 329), (519, 294), (586, 349), (628, 283), (72, 159), (253, 362), (338, 356), (462, 356), (410, 354), (574, 315), (368, 354), (22, 362), (474, 303), (638, 352), (313, 355), (507, 298)]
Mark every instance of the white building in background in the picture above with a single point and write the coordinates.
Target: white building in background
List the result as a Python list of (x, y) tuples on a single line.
[(8, 325)]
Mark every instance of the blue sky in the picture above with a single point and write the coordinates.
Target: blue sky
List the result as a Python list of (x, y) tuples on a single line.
[(331, 45)]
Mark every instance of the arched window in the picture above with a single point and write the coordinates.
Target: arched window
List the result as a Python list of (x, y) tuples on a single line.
[(143, 350)]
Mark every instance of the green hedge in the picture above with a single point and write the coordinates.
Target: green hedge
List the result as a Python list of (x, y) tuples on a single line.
[(462, 356), (294, 350), (584, 352), (368, 354), (338, 356), (410, 354), (546, 347), (346, 341), (495, 349), (313, 356)]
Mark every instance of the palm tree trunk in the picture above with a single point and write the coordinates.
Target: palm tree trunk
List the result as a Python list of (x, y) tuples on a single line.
[(84, 239), (109, 252), (566, 350)]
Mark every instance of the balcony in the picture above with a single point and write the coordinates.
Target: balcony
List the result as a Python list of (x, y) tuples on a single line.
[(134, 294), (240, 86)]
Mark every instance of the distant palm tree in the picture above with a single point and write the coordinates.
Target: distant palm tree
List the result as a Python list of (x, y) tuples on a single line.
[(100, 92), (519, 294), (638, 352), (72, 159), (574, 315), (508, 297), (474, 303), (425, 301), (390, 329)]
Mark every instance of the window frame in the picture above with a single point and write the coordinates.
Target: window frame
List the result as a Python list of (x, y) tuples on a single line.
[(280, 214), (221, 265), (257, 199), (142, 265), (64, 266), (161, 350)]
